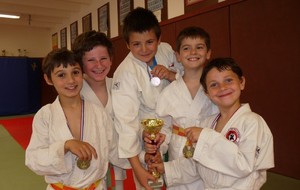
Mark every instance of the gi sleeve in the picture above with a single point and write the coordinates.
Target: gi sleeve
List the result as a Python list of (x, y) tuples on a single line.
[(41, 156), (126, 108)]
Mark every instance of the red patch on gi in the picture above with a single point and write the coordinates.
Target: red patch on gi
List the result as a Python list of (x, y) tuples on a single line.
[(233, 135)]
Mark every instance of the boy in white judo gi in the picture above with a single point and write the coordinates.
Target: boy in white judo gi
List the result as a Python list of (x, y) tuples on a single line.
[(72, 139), (95, 51), (137, 82), (235, 147), (183, 103)]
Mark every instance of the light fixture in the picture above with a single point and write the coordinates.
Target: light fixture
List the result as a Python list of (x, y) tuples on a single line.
[(9, 16)]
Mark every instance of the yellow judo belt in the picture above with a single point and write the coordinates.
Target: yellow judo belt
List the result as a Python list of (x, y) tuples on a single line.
[(60, 186)]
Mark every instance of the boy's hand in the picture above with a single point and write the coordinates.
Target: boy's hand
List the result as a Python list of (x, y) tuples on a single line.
[(162, 72), (153, 158), (150, 145), (193, 133), (83, 150), (158, 167)]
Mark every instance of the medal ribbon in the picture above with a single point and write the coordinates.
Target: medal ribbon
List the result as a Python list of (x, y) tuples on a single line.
[(82, 121), (150, 68), (214, 123)]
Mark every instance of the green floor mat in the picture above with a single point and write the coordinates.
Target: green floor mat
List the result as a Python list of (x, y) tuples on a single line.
[(14, 175)]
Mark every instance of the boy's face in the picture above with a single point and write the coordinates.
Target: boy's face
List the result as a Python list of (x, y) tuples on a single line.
[(66, 81), (193, 53), (96, 63), (224, 87), (144, 45)]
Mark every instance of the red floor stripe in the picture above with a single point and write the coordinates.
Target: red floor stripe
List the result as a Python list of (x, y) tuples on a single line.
[(19, 128)]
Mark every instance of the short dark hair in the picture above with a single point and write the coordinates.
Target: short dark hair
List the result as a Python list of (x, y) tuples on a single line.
[(192, 32), (87, 41), (220, 64), (58, 57), (140, 20)]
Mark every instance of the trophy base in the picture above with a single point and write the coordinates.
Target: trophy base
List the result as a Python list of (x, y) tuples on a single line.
[(158, 184)]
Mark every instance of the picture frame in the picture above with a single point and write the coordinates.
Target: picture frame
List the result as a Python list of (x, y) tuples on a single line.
[(63, 38), (191, 2), (156, 5), (73, 32), (87, 23), (124, 7), (55, 41), (104, 19), (193, 5)]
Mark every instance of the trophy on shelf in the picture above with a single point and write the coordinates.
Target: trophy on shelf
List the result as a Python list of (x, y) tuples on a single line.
[(153, 126)]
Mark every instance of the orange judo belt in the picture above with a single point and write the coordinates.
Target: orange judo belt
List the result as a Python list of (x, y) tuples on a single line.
[(60, 186)]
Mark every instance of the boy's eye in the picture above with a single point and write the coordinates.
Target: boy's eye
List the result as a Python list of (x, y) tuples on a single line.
[(150, 42), (228, 80), (76, 72), (200, 47), (185, 48), (61, 75), (136, 44), (103, 58), (212, 85)]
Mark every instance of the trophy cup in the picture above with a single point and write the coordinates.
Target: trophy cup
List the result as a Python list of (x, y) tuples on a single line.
[(153, 126)]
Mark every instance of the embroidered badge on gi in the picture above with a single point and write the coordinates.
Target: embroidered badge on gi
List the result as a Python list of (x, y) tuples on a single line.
[(233, 135), (116, 86)]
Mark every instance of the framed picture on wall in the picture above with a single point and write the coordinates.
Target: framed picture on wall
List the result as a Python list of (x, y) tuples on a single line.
[(190, 2), (158, 5), (103, 19), (192, 5), (73, 31), (54, 41), (63, 38), (124, 7), (87, 23)]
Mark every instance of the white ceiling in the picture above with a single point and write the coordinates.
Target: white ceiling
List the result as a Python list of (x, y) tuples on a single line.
[(40, 13)]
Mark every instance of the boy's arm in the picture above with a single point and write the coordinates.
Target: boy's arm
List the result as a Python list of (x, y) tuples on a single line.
[(140, 172), (42, 157)]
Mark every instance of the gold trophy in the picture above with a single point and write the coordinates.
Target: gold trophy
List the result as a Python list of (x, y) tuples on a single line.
[(153, 126)]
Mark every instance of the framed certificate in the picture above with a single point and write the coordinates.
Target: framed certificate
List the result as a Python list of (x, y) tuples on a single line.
[(124, 7), (103, 19), (158, 5), (87, 23), (54, 41), (63, 38), (73, 32), (191, 5)]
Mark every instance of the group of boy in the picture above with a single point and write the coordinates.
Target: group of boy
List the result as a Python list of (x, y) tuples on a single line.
[(90, 135)]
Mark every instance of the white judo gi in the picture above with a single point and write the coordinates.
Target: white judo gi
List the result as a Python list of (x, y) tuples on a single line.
[(45, 152), (134, 98), (236, 158), (177, 107), (88, 94)]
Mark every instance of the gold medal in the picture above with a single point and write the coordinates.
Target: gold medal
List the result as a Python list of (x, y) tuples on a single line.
[(188, 150), (83, 164)]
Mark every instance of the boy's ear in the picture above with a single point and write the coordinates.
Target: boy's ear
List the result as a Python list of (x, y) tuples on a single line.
[(177, 57), (48, 81), (243, 83), (208, 55)]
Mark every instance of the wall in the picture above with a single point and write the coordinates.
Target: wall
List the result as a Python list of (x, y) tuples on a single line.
[(36, 41)]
